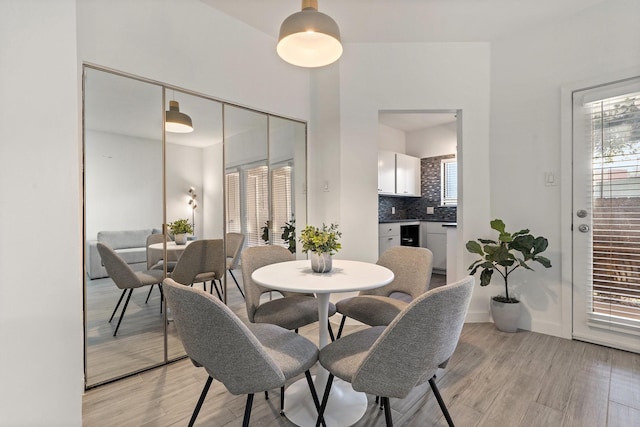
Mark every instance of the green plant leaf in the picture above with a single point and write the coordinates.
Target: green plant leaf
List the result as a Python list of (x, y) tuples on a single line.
[(485, 276), (474, 247), (498, 225), (505, 237), (540, 244), (505, 262), (521, 232), (487, 241), (544, 261), (523, 244)]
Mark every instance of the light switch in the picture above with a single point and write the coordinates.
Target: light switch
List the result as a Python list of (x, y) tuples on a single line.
[(393, 210), (550, 179), (430, 210)]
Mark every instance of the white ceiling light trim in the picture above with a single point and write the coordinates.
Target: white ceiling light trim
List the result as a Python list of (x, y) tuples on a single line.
[(309, 38)]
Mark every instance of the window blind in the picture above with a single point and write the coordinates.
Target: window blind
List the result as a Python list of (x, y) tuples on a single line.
[(613, 126), (281, 201), (449, 182), (256, 203), (232, 184)]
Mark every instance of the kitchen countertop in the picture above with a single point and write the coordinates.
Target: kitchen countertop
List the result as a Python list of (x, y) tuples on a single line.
[(446, 223)]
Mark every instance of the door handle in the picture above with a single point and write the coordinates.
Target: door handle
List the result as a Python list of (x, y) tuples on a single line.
[(583, 228), (581, 213)]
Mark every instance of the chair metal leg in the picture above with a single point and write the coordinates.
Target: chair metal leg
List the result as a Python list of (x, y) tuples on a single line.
[(124, 308), (266, 395), (282, 400), (443, 407), (314, 394), (205, 390), (161, 296), (149, 294), (325, 399), (117, 305), (330, 331), (387, 411), (213, 285), (247, 410), (237, 284), (341, 326), (379, 401)]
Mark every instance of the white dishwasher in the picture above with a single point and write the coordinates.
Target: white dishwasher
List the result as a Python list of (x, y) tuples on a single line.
[(434, 237)]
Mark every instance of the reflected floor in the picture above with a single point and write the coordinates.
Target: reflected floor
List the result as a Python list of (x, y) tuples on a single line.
[(140, 340)]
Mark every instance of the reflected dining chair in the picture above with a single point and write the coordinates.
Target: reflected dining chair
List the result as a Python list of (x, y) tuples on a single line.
[(389, 361), (202, 260), (125, 278), (247, 359), (234, 243), (411, 268), (155, 260)]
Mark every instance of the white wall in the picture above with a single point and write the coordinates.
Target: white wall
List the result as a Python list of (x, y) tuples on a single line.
[(123, 183), (191, 45), (185, 170), (180, 42), (40, 216), (424, 76), (391, 139), (528, 73), (433, 141)]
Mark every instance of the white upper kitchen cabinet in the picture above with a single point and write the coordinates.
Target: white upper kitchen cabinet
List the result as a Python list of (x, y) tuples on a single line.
[(386, 172), (407, 175)]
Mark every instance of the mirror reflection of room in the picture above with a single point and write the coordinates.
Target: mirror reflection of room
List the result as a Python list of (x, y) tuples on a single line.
[(244, 188), (123, 206)]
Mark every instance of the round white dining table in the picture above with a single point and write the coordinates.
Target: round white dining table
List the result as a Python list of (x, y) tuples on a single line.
[(345, 405), (171, 247)]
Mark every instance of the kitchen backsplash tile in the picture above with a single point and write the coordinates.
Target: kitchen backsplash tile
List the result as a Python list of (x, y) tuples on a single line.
[(416, 207)]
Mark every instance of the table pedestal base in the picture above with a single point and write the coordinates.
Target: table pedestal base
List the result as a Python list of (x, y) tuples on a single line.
[(345, 406)]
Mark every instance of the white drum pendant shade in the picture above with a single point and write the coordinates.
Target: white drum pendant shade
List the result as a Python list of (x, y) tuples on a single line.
[(309, 39)]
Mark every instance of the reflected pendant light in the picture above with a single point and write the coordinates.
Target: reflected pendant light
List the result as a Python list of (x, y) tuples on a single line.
[(175, 121), (309, 38)]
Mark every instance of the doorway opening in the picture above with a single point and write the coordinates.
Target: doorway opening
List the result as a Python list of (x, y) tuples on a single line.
[(430, 140)]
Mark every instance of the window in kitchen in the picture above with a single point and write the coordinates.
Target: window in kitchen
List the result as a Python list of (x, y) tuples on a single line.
[(449, 182)]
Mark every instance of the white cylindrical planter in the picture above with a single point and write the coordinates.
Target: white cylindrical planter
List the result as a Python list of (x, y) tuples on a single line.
[(320, 262), (505, 315), (181, 239)]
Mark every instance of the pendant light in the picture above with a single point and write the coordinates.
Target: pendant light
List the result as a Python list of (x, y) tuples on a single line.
[(309, 38), (175, 121)]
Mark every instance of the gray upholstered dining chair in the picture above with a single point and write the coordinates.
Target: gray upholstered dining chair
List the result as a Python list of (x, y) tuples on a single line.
[(411, 268), (389, 361), (202, 260), (245, 358), (234, 243), (292, 311), (125, 278)]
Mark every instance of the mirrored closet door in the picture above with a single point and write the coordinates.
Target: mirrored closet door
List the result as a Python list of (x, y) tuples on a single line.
[(123, 200), (235, 170)]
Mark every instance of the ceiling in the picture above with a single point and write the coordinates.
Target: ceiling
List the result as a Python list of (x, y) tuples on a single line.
[(401, 21)]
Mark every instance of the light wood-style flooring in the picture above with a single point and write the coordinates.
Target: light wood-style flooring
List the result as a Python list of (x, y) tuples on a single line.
[(493, 379)]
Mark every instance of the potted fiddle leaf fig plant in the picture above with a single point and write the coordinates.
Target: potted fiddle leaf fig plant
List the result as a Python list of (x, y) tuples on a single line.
[(180, 228), (289, 235), (505, 255), (322, 242)]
